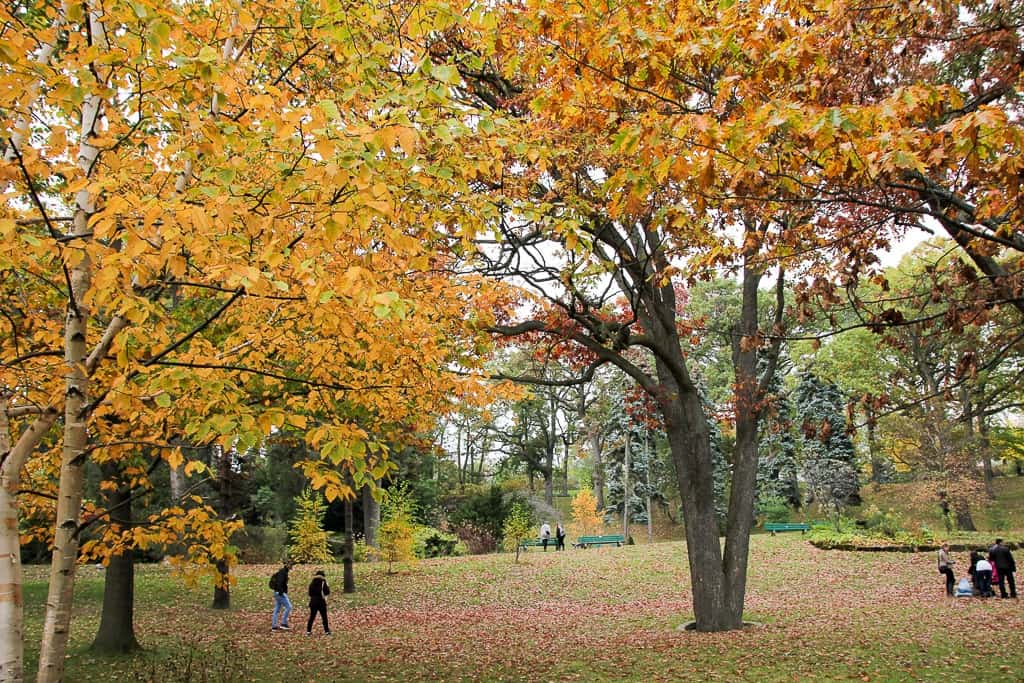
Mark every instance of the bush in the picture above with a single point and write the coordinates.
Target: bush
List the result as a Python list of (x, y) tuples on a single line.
[(476, 540), (774, 509), (429, 542), (485, 511), (261, 544)]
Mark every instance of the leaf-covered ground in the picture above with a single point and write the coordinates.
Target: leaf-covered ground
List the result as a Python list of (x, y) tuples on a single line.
[(595, 615)]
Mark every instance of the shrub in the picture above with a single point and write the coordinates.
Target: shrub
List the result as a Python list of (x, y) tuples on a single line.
[(774, 509), (485, 510), (429, 542), (477, 541), (261, 544)]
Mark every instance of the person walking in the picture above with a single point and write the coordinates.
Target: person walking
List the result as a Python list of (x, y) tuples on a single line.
[(545, 535), (983, 577), (1002, 559), (559, 537), (318, 592), (282, 605), (946, 567)]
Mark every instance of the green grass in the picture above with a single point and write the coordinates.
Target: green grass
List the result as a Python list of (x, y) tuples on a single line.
[(607, 614)]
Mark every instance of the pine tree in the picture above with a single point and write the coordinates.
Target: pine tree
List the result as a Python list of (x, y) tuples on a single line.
[(777, 468), (309, 540), (830, 466)]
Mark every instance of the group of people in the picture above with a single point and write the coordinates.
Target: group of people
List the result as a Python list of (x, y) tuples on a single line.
[(545, 536), (994, 568), (318, 592)]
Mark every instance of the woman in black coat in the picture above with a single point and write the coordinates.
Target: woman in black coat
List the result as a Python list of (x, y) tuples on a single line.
[(318, 592)]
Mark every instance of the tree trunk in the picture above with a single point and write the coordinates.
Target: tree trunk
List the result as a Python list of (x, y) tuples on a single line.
[(117, 628), (565, 471), (873, 455), (11, 598), (348, 558), (116, 634), (986, 457), (57, 624), (625, 488), (222, 586), (598, 474), (688, 437), (371, 517), (964, 521)]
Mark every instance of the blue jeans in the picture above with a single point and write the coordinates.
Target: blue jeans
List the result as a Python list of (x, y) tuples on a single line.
[(282, 604)]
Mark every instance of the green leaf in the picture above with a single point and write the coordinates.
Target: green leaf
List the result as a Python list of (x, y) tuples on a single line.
[(330, 108)]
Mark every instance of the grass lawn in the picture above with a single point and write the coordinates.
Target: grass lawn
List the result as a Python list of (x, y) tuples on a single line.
[(607, 614)]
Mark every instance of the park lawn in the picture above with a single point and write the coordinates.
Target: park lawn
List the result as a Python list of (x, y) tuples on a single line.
[(606, 614)]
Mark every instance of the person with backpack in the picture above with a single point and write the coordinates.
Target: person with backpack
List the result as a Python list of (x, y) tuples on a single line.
[(282, 605), (318, 592)]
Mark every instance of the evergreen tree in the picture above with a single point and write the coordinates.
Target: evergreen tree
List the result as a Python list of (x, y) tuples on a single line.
[(777, 467), (309, 539), (830, 466)]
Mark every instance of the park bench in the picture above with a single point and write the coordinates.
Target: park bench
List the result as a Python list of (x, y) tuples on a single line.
[(587, 541), (537, 543), (786, 526)]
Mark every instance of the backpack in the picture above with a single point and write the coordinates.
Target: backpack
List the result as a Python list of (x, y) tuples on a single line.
[(274, 585)]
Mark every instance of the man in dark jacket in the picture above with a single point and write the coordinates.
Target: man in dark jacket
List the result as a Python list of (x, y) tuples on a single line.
[(282, 605), (1001, 557), (318, 592)]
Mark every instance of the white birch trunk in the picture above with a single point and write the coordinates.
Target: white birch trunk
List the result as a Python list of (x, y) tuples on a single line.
[(56, 627), (11, 606)]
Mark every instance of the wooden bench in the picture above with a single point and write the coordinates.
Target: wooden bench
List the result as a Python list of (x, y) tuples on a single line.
[(587, 541), (787, 526)]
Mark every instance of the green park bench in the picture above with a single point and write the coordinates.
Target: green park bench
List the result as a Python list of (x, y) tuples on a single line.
[(537, 543), (587, 541), (774, 527)]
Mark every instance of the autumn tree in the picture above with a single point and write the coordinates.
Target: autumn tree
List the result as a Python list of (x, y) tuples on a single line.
[(586, 517), (517, 528), (216, 233), (396, 529), (309, 540)]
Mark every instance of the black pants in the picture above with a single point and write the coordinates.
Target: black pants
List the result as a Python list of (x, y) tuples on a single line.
[(544, 544), (1006, 577), (317, 607), (950, 580), (984, 585), (560, 543)]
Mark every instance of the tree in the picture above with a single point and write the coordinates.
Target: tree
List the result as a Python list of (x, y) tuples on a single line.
[(829, 459), (309, 540), (204, 240), (586, 516), (396, 530), (518, 526)]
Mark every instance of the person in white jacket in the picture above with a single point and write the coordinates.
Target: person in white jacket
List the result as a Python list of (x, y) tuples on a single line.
[(545, 534), (983, 577)]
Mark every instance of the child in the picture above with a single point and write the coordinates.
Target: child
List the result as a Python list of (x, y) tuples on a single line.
[(318, 592), (963, 589)]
